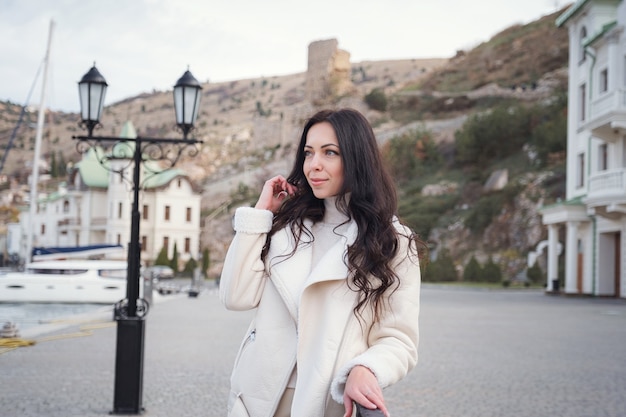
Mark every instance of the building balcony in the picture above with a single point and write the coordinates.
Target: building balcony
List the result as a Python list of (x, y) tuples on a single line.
[(607, 193), (74, 224), (67, 225), (607, 116)]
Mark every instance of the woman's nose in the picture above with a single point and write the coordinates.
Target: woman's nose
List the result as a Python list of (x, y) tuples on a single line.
[(315, 163)]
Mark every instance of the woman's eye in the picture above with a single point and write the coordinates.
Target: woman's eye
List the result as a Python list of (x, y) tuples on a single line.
[(330, 152)]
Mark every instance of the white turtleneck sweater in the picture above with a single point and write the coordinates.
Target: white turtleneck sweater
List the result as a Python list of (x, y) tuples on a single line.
[(325, 234)]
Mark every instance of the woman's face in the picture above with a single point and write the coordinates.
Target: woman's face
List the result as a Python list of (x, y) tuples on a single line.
[(323, 166)]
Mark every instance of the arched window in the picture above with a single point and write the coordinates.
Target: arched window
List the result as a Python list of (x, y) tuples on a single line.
[(581, 45)]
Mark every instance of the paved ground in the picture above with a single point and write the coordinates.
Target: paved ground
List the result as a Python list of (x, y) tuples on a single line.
[(482, 354)]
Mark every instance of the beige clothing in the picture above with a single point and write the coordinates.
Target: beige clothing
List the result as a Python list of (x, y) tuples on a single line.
[(320, 332)]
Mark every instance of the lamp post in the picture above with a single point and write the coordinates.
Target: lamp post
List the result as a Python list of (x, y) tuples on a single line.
[(130, 313)]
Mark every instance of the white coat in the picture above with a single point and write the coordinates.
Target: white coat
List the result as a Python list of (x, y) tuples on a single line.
[(328, 340)]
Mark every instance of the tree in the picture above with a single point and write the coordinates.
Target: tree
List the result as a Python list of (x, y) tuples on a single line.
[(190, 267), (441, 269), (473, 272), (162, 258), (61, 165), (174, 261), (206, 262), (54, 172), (492, 271)]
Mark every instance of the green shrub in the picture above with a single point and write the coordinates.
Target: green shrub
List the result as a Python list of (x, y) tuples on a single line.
[(473, 271), (492, 135), (422, 213), (483, 212), (412, 154), (550, 134), (535, 275), (376, 100), (441, 269), (492, 272)]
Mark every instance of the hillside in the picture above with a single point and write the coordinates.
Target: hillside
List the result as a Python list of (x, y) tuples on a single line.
[(229, 115), (510, 93), (248, 126)]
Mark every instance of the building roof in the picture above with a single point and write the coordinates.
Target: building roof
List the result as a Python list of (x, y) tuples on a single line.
[(53, 196), (576, 8), (569, 13), (605, 28), (576, 201), (94, 172)]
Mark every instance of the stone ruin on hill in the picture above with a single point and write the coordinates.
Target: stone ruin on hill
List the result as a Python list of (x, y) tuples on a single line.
[(328, 77), (328, 72)]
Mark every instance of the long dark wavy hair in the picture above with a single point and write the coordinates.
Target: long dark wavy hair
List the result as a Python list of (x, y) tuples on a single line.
[(372, 204)]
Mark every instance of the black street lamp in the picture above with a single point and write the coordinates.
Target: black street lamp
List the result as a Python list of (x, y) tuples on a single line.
[(130, 313), (91, 88)]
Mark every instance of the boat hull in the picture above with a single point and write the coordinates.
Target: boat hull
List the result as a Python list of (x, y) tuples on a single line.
[(62, 282)]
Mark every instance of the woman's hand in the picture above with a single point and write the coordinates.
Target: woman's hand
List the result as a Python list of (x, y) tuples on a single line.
[(274, 192), (362, 387)]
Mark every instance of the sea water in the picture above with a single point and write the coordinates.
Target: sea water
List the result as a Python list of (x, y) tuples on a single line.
[(28, 315)]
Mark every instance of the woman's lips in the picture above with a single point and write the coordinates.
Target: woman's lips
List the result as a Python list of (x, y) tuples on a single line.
[(316, 182)]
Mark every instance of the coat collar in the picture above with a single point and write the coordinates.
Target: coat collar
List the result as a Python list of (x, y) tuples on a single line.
[(332, 266)]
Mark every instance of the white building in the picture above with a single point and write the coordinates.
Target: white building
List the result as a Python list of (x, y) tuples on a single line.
[(593, 217), (94, 207)]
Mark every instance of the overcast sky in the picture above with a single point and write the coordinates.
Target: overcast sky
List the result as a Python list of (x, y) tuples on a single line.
[(142, 45)]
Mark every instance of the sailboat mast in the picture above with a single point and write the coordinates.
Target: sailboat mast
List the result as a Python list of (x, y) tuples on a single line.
[(34, 177)]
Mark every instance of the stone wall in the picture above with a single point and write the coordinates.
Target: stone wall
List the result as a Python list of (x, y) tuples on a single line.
[(328, 72)]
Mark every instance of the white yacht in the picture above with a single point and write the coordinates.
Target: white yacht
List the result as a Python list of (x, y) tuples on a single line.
[(66, 281)]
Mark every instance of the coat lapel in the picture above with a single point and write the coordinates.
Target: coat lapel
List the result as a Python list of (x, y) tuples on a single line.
[(332, 266)]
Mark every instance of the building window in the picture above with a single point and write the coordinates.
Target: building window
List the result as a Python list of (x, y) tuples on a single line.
[(43, 229), (144, 212), (603, 157), (582, 108), (66, 206), (120, 206), (188, 214), (166, 243), (180, 183), (187, 245), (580, 170), (121, 177), (119, 239), (167, 213), (144, 243), (604, 80), (581, 43)]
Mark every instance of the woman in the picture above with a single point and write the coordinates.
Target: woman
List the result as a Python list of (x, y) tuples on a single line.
[(333, 275)]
